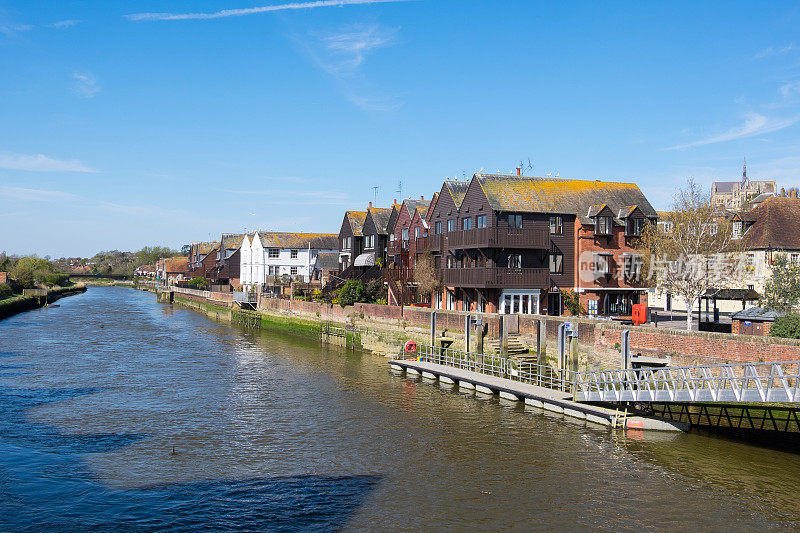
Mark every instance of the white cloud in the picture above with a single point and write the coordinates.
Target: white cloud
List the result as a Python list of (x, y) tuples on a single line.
[(64, 23), (284, 194), (10, 30), (85, 85), (34, 195), (348, 49), (253, 10), (773, 51), (754, 125), (40, 163), (790, 89)]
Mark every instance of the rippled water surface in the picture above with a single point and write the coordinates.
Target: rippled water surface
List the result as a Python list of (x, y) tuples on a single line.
[(275, 433)]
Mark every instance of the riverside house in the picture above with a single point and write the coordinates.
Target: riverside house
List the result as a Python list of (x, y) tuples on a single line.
[(202, 258), (407, 240), (351, 241), (515, 243), (376, 235), (269, 259), (227, 261)]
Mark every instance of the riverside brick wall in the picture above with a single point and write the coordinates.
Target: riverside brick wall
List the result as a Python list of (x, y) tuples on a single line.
[(597, 338)]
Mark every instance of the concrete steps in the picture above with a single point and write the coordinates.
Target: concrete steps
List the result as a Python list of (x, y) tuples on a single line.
[(515, 347)]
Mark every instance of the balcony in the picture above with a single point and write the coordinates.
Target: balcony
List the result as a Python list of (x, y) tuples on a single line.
[(421, 244), (398, 274), (501, 278), (436, 242), (524, 238)]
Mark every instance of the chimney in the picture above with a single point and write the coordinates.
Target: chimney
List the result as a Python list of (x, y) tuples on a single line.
[(421, 197), (370, 205), (519, 171), (394, 202)]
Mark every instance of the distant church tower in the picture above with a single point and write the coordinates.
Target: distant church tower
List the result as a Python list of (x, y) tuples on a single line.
[(744, 173)]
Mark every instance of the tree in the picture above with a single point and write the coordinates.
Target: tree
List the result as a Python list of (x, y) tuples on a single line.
[(782, 289), (693, 252), (425, 274), (787, 326), (198, 283), (351, 292)]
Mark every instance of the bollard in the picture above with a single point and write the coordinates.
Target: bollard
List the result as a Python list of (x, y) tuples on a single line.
[(625, 349), (466, 333), (433, 328)]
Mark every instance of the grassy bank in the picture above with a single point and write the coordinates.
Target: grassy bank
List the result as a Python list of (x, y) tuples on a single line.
[(19, 304), (292, 325)]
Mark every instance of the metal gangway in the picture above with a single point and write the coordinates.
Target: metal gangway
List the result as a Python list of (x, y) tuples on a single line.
[(777, 382)]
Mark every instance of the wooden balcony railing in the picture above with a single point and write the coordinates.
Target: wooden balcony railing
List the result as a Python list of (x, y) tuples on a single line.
[(502, 278), (436, 242), (398, 274), (529, 238), (421, 244)]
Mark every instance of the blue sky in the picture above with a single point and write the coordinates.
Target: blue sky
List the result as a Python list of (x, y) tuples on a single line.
[(127, 124)]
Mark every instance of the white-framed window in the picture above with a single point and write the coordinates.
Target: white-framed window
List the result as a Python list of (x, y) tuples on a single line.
[(273, 253), (556, 225), (794, 258), (480, 221), (750, 260), (293, 271), (737, 230), (635, 226), (556, 263), (416, 232), (404, 234), (451, 225), (293, 254), (369, 241), (603, 226)]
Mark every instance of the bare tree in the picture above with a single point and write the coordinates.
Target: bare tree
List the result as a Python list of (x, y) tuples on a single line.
[(692, 250), (425, 274)]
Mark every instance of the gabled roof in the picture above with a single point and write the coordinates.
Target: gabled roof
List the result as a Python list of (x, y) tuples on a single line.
[(561, 195), (724, 187), (458, 190), (203, 248), (356, 219), (415, 205), (232, 240), (380, 217), (328, 260), (176, 264), (773, 225), (316, 241), (757, 313)]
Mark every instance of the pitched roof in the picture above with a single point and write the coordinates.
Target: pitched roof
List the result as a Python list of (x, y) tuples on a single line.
[(458, 190), (316, 241), (561, 195), (757, 313), (356, 219), (416, 205), (774, 224), (232, 240), (328, 260), (724, 187), (176, 264), (380, 217), (204, 247)]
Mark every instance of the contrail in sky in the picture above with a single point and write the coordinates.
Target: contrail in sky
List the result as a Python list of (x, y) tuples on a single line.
[(253, 10)]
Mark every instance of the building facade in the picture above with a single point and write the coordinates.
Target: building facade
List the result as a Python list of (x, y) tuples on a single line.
[(270, 258), (735, 195)]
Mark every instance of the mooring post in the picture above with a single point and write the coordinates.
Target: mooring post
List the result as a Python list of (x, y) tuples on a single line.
[(433, 328), (504, 340), (625, 349), (562, 342), (466, 332)]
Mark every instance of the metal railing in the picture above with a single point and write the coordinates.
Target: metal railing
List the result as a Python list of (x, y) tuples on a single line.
[(745, 382), (491, 365)]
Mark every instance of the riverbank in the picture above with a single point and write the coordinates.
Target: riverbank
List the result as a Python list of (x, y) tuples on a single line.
[(20, 304)]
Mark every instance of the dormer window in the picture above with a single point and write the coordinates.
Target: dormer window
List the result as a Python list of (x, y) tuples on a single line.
[(603, 225), (737, 230), (634, 227)]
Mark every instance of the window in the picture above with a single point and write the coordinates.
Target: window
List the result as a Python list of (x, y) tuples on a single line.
[(556, 226), (416, 233), (293, 254), (480, 221), (273, 270), (602, 264), (293, 271), (391, 238), (466, 223), (369, 241), (737, 230), (795, 258), (514, 260), (665, 226), (273, 253), (514, 221), (451, 225), (751, 261), (405, 235), (635, 226), (602, 226), (556, 263), (632, 266), (438, 228)]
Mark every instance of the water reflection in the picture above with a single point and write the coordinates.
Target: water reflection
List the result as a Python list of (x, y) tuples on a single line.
[(274, 432)]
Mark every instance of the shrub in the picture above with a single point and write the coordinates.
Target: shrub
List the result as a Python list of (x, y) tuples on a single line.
[(787, 326), (351, 292), (198, 283), (5, 291), (573, 303)]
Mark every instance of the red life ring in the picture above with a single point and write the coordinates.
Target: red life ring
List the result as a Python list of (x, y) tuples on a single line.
[(410, 347)]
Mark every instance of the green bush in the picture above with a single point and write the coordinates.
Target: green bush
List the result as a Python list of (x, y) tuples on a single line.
[(5, 291), (351, 292), (198, 283), (787, 326)]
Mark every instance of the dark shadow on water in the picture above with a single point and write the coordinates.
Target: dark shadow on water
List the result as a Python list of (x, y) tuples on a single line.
[(44, 485)]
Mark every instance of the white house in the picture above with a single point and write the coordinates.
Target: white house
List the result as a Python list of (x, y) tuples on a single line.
[(270, 257)]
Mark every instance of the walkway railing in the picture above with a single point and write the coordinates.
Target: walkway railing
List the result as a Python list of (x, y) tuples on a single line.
[(522, 371), (747, 382)]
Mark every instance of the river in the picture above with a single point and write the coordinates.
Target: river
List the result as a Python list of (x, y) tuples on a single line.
[(117, 411)]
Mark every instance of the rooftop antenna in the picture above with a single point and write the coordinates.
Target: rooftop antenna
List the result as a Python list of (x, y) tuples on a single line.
[(525, 168), (399, 188), (464, 175), (375, 190)]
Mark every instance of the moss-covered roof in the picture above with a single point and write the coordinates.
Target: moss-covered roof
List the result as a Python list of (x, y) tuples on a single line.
[(561, 195), (316, 241), (380, 217), (458, 190), (356, 219)]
